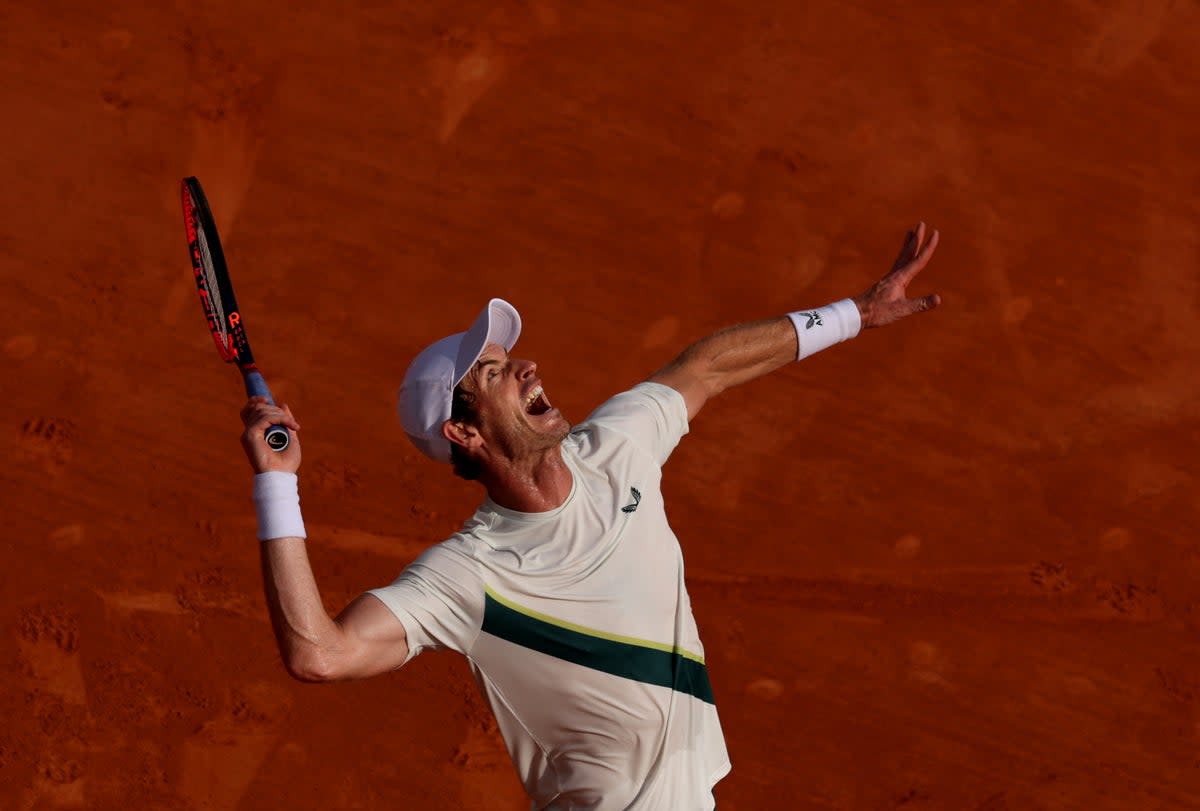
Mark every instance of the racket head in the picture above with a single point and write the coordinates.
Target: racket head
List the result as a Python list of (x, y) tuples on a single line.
[(212, 277)]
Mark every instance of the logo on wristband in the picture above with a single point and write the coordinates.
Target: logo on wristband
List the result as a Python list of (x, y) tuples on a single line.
[(814, 319)]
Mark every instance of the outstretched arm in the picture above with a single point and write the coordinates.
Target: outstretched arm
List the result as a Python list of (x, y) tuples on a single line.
[(366, 638), (744, 352)]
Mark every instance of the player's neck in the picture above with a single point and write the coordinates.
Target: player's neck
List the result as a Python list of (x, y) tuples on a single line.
[(533, 485)]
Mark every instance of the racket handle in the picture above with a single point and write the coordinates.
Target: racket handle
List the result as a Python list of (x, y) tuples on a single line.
[(277, 435)]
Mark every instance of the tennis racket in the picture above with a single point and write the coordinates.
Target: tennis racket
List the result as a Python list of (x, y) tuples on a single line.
[(225, 321)]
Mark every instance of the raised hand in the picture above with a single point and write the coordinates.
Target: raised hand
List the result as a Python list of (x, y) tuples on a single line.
[(887, 301), (258, 415)]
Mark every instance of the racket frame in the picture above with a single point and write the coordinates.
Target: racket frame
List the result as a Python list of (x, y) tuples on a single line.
[(225, 323)]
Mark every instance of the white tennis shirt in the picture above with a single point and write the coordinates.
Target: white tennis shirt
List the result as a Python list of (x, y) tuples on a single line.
[(578, 626)]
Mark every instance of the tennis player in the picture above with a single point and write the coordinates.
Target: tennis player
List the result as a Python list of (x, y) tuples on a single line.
[(565, 590)]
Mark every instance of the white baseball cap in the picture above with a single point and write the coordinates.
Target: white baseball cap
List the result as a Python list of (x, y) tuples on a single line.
[(428, 387)]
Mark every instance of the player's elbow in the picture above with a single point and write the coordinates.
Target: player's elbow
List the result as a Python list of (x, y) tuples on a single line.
[(312, 666), (309, 675)]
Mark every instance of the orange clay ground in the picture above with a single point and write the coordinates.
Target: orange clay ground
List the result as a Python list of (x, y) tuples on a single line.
[(950, 565)]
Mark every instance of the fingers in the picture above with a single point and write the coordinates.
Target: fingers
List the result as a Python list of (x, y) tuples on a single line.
[(914, 246), (930, 246), (887, 299), (291, 423), (908, 249), (258, 414), (247, 412), (914, 266), (926, 303)]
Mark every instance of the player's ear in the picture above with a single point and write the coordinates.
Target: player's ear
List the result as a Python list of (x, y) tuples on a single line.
[(461, 433)]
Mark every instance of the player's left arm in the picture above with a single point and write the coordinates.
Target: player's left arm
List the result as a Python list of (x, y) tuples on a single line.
[(741, 353)]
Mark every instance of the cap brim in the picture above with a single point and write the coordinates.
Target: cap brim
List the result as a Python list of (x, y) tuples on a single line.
[(499, 323)]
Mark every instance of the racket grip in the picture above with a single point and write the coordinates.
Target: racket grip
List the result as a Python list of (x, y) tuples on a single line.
[(256, 386)]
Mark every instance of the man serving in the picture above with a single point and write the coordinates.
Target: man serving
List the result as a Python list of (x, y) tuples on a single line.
[(565, 590)]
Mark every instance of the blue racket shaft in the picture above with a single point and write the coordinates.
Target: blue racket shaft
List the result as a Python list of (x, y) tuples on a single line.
[(277, 435)]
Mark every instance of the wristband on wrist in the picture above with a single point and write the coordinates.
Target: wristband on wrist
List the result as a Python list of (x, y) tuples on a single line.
[(825, 326), (277, 500)]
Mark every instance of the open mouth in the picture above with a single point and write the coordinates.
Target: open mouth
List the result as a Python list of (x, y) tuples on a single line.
[(536, 403)]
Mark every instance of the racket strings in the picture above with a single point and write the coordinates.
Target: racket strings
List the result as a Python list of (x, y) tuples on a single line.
[(213, 289)]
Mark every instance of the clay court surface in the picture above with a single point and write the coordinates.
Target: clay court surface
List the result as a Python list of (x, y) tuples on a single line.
[(953, 564)]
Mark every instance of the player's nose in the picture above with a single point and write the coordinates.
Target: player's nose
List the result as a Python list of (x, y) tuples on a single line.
[(525, 369)]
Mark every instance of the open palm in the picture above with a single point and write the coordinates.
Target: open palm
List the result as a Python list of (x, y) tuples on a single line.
[(887, 300)]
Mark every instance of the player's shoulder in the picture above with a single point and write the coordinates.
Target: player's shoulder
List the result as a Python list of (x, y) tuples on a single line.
[(644, 395), (480, 535), (647, 400)]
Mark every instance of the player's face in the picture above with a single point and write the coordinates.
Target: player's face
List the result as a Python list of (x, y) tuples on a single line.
[(514, 412)]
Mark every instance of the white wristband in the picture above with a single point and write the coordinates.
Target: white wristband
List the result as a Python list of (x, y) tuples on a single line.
[(277, 499), (825, 326)]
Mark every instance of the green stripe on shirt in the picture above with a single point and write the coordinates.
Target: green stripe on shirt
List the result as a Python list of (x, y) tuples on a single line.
[(627, 657)]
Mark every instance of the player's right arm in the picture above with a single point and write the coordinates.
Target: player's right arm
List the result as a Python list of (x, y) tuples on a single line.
[(366, 638)]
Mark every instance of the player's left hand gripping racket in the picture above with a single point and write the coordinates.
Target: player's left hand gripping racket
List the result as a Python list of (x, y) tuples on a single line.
[(216, 294)]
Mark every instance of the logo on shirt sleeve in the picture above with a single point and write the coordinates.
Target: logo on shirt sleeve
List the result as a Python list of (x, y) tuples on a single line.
[(637, 499)]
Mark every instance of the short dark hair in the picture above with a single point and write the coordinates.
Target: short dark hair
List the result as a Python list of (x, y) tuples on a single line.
[(462, 409)]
